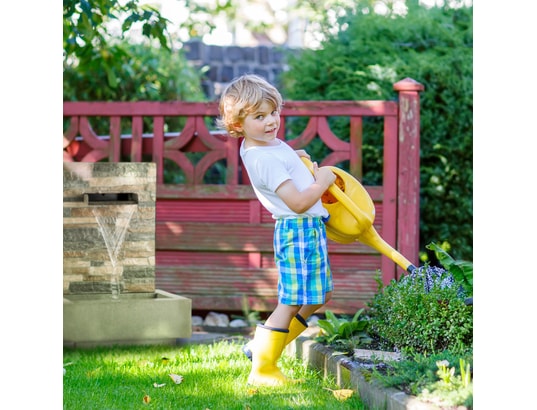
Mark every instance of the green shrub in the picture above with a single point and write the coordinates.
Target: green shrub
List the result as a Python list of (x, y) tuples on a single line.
[(462, 271), (443, 378), (132, 72), (424, 312), (363, 60), (343, 333)]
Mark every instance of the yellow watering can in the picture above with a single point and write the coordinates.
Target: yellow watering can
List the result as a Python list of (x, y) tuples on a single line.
[(352, 213)]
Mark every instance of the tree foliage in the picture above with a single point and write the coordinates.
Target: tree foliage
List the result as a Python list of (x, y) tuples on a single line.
[(85, 23), (129, 72), (102, 63), (364, 58)]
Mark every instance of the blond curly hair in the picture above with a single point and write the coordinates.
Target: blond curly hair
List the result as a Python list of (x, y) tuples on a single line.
[(243, 96)]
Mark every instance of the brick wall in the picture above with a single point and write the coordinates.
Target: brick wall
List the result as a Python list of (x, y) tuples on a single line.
[(228, 62)]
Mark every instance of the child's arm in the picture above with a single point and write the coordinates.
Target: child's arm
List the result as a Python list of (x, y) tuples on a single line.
[(301, 201), (302, 153)]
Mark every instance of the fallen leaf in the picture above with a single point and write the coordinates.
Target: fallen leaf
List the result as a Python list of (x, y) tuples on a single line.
[(176, 378), (146, 399), (93, 372), (159, 385), (341, 394)]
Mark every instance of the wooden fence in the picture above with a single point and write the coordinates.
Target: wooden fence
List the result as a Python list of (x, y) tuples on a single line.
[(214, 240)]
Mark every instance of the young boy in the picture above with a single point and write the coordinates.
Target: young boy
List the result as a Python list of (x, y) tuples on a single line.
[(250, 108)]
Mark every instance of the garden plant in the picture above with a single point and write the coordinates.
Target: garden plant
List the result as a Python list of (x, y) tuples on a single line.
[(427, 317)]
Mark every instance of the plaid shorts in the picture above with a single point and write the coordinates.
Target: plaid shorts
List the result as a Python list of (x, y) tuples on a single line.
[(301, 256)]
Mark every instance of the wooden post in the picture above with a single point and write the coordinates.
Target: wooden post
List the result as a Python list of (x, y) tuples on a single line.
[(408, 189)]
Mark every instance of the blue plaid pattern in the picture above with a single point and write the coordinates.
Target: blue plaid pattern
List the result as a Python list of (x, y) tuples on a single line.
[(301, 256)]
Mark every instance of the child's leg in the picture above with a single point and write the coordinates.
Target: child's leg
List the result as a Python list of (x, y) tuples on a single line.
[(307, 310), (281, 316), (296, 327), (303, 280), (267, 347)]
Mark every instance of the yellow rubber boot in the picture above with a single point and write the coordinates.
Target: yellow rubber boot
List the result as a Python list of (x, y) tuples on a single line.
[(267, 348), (296, 327)]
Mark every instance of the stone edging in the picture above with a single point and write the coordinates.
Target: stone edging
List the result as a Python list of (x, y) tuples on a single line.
[(347, 375)]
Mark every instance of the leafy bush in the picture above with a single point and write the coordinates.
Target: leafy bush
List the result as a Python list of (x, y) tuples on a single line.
[(462, 271), (343, 333), (430, 378), (424, 312), (131, 72), (363, 60)]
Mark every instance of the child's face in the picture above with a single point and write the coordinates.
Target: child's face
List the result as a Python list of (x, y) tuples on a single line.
[(261, 127)]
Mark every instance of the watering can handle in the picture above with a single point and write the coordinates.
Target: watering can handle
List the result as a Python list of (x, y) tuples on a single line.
[(358, 214)]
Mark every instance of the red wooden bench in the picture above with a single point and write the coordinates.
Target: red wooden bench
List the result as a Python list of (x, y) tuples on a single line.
[(214, 241)]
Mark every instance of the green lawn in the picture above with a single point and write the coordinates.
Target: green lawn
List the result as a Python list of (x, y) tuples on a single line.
[(214, 377)]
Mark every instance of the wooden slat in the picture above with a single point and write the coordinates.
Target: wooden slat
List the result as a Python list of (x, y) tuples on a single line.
[(158, 147), (236, 280), (389, 203), (115, 139), (352, 288), (183, 108), (210, 210), (408, 201), (137, 131), (232, 237), (181, 191), (220, 237), (194, 258), (363, 258)]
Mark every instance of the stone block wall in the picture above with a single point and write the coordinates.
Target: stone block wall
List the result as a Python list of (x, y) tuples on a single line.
[(87, 264), (228, 62)]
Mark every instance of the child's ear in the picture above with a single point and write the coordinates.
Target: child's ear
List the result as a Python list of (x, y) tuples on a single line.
[(237, 127)]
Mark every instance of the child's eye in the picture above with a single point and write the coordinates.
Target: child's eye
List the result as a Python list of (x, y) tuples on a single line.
[(275, 112), (259, 117)]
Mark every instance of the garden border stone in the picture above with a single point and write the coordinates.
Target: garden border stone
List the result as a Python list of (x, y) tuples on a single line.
[(348, 375)]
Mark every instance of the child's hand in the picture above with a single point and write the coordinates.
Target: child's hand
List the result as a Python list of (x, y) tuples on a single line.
[(302, 153), (323, 175)]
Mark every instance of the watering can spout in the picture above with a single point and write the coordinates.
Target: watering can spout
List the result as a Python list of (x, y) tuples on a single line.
[(373, 239), (352, 214)]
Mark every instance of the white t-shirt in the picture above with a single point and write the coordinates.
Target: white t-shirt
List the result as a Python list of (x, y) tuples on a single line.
[(268, 167)]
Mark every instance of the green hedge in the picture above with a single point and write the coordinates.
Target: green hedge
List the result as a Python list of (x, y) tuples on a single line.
[(363, 61)]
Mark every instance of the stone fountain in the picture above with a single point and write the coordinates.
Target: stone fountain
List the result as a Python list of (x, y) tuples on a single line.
[(109, 294)]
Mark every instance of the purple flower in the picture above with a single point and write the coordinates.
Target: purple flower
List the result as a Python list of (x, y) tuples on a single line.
[(431, 276)]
